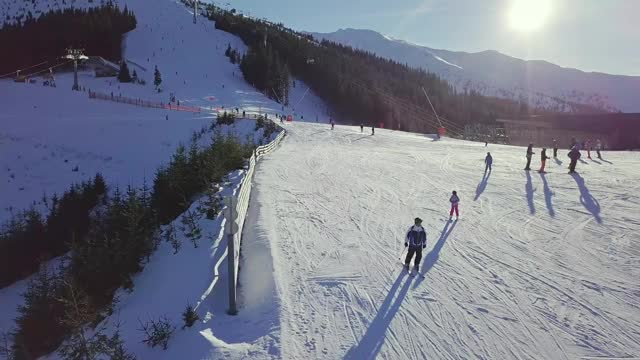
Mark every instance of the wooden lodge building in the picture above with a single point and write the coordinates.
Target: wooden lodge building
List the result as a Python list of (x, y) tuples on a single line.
[(616, 131)]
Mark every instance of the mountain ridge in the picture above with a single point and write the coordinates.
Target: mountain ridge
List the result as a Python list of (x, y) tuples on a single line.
[(544, 84)]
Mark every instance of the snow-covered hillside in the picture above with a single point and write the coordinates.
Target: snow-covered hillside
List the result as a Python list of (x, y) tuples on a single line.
[(543, 84), (537, 267), (46, 132)]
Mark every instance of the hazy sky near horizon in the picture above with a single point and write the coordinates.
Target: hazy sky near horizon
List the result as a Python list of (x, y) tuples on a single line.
[(590, 35)]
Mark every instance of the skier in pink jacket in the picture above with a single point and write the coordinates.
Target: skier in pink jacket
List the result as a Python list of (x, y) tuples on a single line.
[(454, 200)]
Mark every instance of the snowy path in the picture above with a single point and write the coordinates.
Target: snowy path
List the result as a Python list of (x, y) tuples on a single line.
[(537, 267)]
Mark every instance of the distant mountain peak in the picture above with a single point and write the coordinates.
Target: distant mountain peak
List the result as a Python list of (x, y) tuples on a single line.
[(492, 73)]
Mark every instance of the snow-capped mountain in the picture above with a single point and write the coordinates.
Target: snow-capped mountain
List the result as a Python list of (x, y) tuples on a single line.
[(544, 84)]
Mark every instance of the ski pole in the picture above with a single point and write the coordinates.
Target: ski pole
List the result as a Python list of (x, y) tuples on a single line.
[(402, 253)]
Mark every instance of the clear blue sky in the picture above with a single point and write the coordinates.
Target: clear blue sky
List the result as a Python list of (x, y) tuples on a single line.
[(590, 35)]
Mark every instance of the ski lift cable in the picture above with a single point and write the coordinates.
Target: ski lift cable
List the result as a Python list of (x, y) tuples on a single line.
[(415, 110), (47, 69), (395, 99), (13, 72), (303, 95), (419, 116), (432, 108), (441, 120), (276, 95), (423, 116), (449, 124)]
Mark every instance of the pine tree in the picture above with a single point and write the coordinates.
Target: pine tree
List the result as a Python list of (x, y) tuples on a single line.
[(189, 316), (124, 75), (170, 237), (115, 348), (99, 185), (5, 348), (157, 79), (78, 312), (83, 344), (38, 326), (157, 332)]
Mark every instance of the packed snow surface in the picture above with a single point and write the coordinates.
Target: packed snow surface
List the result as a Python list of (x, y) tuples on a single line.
[(539, 266), (46, 133)]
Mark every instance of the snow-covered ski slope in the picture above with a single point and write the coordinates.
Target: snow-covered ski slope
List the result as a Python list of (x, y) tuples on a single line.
[(537, 267), (45, 132)]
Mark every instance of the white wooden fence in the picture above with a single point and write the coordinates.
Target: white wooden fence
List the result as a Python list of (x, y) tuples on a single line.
[(240, 204)]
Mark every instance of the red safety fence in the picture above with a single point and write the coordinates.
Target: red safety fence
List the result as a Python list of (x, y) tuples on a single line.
[(143, 103)]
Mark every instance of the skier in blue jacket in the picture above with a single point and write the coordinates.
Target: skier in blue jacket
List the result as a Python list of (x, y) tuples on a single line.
[(416, 241)]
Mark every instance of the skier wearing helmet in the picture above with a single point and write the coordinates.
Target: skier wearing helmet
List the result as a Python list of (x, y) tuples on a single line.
[(416, 240)]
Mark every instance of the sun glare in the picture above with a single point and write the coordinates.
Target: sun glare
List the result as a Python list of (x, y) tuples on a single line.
[(528, 15)]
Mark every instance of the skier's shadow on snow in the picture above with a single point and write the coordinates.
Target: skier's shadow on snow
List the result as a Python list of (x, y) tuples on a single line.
[(482, 185), (529, 188), (558, 161), (596, 161), (607, 161), (433, 255), (548, 194), (374, 337), (586, 199)]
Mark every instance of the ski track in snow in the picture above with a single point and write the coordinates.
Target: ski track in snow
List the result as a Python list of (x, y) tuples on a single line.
[(500, 283), (45, 132)]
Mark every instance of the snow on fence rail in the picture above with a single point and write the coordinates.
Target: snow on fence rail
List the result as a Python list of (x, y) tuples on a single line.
[(236, 219), (143, 103)]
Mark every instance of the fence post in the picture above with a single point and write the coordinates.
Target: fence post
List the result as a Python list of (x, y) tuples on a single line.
[(231, 256)]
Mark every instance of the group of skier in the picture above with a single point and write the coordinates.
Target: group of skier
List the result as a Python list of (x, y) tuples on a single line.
[(373, 129), (416, 238), (574, 154)]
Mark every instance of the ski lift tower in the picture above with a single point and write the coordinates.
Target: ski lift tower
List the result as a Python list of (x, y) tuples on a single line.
[(75, 55)]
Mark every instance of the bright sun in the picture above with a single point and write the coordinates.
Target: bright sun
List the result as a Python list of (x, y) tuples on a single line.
[(529, 15)]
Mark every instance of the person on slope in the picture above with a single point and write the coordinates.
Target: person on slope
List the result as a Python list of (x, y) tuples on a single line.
[(598, 148), (373, 130), (416, 240), (555, 149), (529, 155), (543, 160), (361, 127), (488, 160), (588, 148), (332, 124), (574, 155), (454, 200)]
